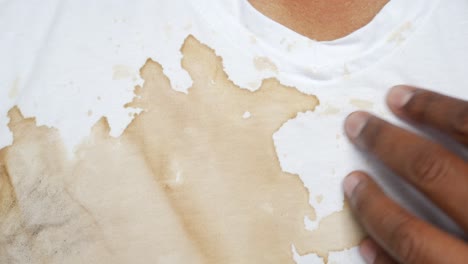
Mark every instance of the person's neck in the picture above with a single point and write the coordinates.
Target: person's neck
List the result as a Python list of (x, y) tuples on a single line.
[(321, 19)]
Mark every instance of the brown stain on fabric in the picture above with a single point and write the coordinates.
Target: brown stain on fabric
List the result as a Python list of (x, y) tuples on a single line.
[(13, 93), (337, 232), (265, 64), (361, 103), (188, 181), (39, 222), (399, 35), (120, 72)]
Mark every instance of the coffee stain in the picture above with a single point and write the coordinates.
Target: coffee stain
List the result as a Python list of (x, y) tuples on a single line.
[(330, 110), (168, 30), (40, 221), (265, 64), (337, 232), (187, 182), (188, 27), (13, 93), (253, 40), (346, 73), (362, 104), (7, 192), (90, 112), (399, 35), (121, 72), (319, 198)]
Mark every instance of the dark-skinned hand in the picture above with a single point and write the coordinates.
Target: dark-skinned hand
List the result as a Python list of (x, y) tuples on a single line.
[(395, 235)]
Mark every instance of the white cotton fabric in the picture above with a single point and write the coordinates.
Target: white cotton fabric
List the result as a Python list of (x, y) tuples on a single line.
[(57, 60)]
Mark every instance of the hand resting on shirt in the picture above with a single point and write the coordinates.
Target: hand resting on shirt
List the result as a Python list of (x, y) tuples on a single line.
[(396, 236)]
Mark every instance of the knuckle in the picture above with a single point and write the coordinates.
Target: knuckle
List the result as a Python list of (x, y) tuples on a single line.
[(372, 133), (383, 258), (367, 200), (361, 202), (429, 167), (405, 241), (418, 106), (460, 124)]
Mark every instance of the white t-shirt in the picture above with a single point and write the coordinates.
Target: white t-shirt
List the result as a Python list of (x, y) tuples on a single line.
[(70, 63)]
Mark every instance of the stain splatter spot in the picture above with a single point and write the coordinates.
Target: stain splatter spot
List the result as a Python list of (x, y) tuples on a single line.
[(346, 72), (347, 233), (399, 35), (265, 64), (13, 93), (330, 110), (122, 72), (253, 39), (188, 27), (319, 198), (362, 104)]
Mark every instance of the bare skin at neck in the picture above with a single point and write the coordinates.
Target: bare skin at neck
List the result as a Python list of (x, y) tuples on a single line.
[(321, 19)]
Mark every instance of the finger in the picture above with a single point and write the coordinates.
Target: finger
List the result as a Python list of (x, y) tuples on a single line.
[(438, 173), (373, 253), (447, 114), (406, 238)]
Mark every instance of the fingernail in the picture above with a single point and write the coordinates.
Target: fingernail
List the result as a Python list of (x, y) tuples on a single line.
[(355, 123), (399, 96), (368, 250), (350, 183)]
